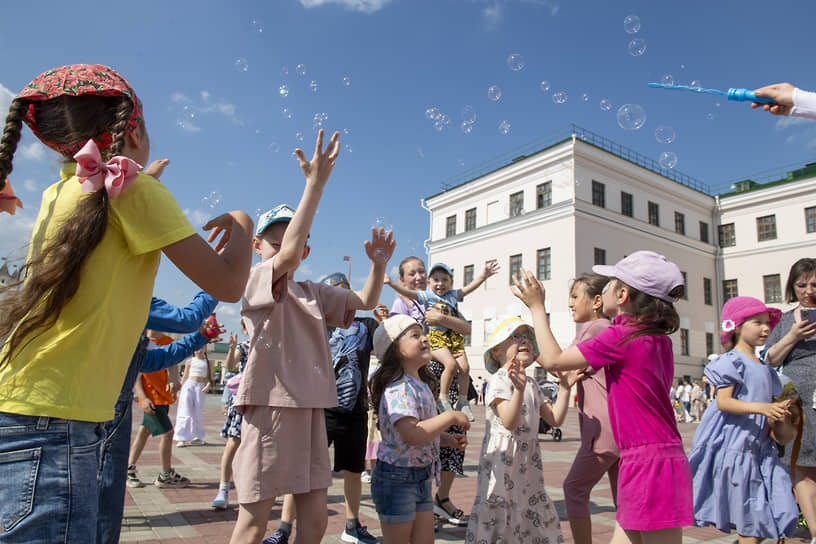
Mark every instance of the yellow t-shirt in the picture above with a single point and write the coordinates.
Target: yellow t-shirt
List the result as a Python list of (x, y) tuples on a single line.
[(75, 368)]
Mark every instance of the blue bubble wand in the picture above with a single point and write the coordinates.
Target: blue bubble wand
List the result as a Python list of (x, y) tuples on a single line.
[(738, 95)]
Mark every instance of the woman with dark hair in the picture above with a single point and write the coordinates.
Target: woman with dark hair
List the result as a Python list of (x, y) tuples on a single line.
[(792, 346), (413, 276)]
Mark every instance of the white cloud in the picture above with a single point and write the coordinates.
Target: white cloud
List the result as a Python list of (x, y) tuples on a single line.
[(34, 151), (6, 97), (197, 217), (228, 309), (191, 111), (364, 6), (31, 186), (492, 15), (785, 122)]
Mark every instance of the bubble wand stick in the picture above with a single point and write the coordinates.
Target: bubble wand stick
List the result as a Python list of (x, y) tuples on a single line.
[(738, 95)]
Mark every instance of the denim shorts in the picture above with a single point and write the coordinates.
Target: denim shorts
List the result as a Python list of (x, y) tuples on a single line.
[(400, 492), (48, 469)]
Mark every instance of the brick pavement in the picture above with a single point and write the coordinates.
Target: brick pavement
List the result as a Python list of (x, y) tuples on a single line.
[(184, 515)]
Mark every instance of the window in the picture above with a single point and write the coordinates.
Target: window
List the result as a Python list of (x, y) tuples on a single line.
[(773, 288), (598, 193), (684, 342), (703, 231), (450, 226), (515, 266), (626, 204), (707, 291), (517, 204), (487, 329), (544, 264), (685, 285), (470, 219), (600, 256), (709, 343), (766, 228), (810, 219), (730, 289), (654, 214), (544, 195), (466, 339), (726, 235), (467, 275), (679, 223)]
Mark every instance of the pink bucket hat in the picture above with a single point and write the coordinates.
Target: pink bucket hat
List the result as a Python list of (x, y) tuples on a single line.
[(738, 309), (646, 271)]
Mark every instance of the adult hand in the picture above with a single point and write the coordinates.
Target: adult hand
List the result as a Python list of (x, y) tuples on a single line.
[(782, 93)]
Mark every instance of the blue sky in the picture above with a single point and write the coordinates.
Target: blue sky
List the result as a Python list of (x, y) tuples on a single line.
[(221, 125)]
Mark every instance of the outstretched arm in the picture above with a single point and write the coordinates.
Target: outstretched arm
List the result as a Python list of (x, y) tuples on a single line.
[(379, 250), (399, 288), (166, 317), (417, 433), (490, 268), (774, 411), (554, 414)]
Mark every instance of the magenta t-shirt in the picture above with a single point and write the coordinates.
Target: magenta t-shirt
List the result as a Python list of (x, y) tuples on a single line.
[(638, 378)]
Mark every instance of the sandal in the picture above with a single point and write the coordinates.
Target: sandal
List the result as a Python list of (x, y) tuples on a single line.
[(451, 514)]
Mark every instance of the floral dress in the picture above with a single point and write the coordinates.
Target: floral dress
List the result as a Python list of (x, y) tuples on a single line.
[(511, 503), (232, 426)]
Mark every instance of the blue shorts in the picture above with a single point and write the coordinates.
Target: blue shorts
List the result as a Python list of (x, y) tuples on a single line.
[(400, 492)]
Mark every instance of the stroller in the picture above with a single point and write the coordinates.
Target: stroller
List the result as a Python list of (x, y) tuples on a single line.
[(550, 390)]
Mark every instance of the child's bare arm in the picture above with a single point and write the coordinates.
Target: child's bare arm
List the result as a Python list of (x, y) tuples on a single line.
[(317, 173), (416, 433), (399, 288), (379, 251), (554, 414), (509, 410), (774, 411), (491, 268)]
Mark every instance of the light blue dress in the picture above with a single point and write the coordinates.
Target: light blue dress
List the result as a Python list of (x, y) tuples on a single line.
[(739, 481)]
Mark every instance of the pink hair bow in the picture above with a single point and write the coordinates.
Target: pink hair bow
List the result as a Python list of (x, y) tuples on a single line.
[(115, 175)]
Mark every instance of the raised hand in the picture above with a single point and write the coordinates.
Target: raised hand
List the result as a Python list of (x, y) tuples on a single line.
[(491, 268), (224, 223), (528, 289), (318, 169), (517, 375), (156, 168), (381, 312), (381, 247)]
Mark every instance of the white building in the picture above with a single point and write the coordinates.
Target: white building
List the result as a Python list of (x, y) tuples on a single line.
[(580, 199)]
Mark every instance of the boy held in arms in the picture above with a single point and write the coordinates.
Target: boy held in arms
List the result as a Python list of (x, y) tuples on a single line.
[(288, 379), (447, 346)]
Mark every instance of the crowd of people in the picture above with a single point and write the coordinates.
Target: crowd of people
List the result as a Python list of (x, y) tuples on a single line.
[(303, 380)]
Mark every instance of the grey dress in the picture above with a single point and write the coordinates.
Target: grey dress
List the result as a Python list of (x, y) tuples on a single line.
[(800, 366)]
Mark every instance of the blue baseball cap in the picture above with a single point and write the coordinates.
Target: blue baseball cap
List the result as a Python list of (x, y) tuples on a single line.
[(279, 214), (441, 266), (338, 279)]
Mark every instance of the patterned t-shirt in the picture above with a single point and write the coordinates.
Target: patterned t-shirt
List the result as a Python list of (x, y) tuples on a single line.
[(406, 397)]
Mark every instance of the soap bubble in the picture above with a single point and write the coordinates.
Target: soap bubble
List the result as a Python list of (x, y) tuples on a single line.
[(466, 127), (696, 83), (438, 126), (667, 79), (257, 25), (637, 47), (664, 134), (544, 86), (606, 105), (294, 155), (188, 112), (287, 113), (560, 97), (382, 222), (313, 86), (346, 131), (668, 159), (585, 97), (299, 136), (494, 92), (348, 148), (579, 181), (631, 24), (504, 127), (284, 71), (716, 104), (212, 199), (346, 81), (283, 90), (631, 116), (468, 114), (461, 163), (300, 69), (515, 62), (444, 119), (264, 341), (241, 64), (274, 147), (710, 116)]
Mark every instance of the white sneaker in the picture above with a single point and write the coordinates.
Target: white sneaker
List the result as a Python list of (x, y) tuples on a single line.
[(365, 477)]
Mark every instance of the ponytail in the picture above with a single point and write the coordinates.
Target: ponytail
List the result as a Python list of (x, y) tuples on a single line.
[(52, 275), (11, 137)]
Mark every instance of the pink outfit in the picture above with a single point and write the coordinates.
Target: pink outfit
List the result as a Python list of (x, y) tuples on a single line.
[(639, 374), (598, 454)]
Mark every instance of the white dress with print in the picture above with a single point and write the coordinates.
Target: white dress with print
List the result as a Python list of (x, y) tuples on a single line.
[(511, 502)]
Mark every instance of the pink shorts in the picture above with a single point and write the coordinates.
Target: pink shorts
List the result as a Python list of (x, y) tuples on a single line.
[(587, 470), (283, 450), (654, 488), (371, 451)]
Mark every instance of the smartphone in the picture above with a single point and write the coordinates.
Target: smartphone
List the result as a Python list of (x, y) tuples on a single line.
[(808, 315)]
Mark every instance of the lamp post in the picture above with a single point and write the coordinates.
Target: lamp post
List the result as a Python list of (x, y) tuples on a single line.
[(346, 258)]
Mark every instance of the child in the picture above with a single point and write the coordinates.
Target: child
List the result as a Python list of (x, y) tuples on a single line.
[(92, 262), (598, 453), (189, 429), (739, 481), (636, 355), (289, 380), (448, 346), (408, 456), (511, 503)]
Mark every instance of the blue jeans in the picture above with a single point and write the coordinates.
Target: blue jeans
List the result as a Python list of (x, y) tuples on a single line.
[(113, 455), (400, 492), (48, 470)]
